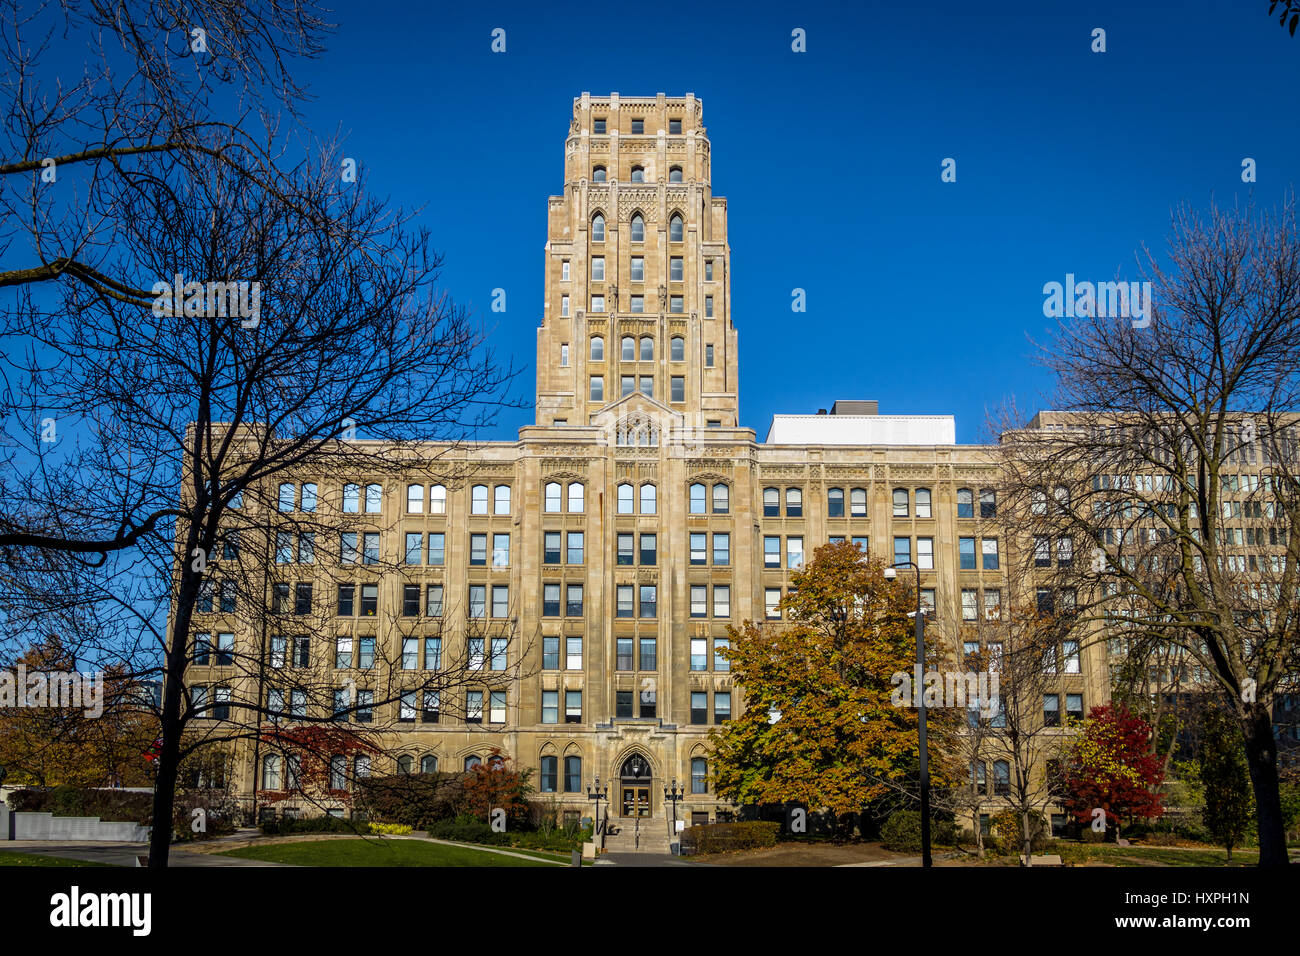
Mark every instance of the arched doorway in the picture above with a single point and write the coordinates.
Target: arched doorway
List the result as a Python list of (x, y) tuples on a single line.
[(634, 787)]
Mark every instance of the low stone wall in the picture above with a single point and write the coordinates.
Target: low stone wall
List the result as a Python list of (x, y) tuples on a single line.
[(46, 826)]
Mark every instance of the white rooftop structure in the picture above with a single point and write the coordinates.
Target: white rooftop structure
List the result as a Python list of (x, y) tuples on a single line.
[(842, 427)]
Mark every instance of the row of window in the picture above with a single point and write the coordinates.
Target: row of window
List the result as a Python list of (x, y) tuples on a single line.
[(676, 227), (638, 125), (638, 235), (637, 174)]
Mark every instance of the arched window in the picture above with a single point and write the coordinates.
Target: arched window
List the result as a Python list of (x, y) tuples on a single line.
[(677, 349), (338, 772), (1038, 502), (549, 774), (638, 228), (989, 503), (675, 228), (374, 498), (638, 174), (794, 503), (414, 499), (923, 503), (597, 349), (697, 498), (478, 498), (721, 501), (293, 774), (361, 766), (629, 349), (835, 502), (472, 761), (551, 501), (965, 503), (1001, 778), (428, 764), (598, 174), (437, 500), (625, 500), (647, 349), (648, 499), (351, 498), (405, 763), (575, 497), (271, 772), (572, 774), (598, 228), (502, 504), (1062, 496), (771, 502), (858, 502), (900, 502), (496, 762), (699, 775), (674, 174)]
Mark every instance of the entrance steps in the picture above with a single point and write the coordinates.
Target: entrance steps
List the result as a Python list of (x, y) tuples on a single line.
[(653, 836)]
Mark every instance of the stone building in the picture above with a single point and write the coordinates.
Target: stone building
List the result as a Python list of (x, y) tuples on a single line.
[(636, 519)]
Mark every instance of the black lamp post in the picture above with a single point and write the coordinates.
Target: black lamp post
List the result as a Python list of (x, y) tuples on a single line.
[(919, 697), (673, 795), (595, 793)]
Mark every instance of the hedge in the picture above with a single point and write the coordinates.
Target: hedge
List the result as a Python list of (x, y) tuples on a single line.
[(902, 832), (719, 837)]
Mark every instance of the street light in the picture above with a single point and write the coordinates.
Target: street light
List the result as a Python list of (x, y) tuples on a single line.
[(918, 696), (677, 793), (595, 793)]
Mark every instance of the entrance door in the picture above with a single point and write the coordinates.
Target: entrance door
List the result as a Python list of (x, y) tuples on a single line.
[(635, 780), (636, 801)]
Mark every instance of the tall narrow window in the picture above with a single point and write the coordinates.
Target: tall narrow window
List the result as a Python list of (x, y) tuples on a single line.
[(697, 499), (437, 500), (625, 499), (835, 502), (793, 503), (597, 349), (923, 502), (414, 499), (675, 228), (502, 500), (598, 228), (721, 499), (965, 503), (648, 500), (551, 498), (771, 502), (638, 228), (647, 349), (478, 502)]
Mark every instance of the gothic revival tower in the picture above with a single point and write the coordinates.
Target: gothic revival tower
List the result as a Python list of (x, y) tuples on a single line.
[(638, 270)]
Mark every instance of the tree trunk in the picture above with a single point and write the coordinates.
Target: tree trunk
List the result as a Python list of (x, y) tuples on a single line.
[(1261, 756)]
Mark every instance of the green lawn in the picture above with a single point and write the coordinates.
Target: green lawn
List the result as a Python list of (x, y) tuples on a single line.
[(1155, 856), (359, 852), (36, 859)]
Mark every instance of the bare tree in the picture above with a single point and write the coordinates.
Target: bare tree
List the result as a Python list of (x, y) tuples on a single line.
[(202, 316), (1172, 470)]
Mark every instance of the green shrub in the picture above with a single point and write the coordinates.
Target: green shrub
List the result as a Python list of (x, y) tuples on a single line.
[(901, 832), (122, 806), (416, 800), (390, 829), (718, 837), (324, 824)]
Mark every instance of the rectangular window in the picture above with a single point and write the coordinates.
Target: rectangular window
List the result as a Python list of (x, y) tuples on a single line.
[(1071, 654), (675, 269), (648, 386), (699, 600), (478, 549), (369, 600), (432, 706), (302, 598), (699, 548), (433, 653), (794, 552), (437, 550), (649, 703), (627, 384), (649, 654), (573, 600), (1051, 710), (500, 550), (649, 601), (771, 551), (992, 605), (969, 609), (637, 269), (307, 547), (433, 600), (550, 706), (414, 547), (474, 707), (990, 550), (637, 303), (347, 594), (625, 597), (721, 549), (366, 653), (597, 393), (597, 269), (564, 305), (925, 553), (676, 304), (722, 600), (708, 356), (678, 393), (597, 303), (500, 600), (699, 707), (477, 600), (708, 306), (551, 547), (699, 654), (410, 653), (573, 706), (649, 550), (772, 603), (721, 706), (721, 663), (370, 547), (1074, 706), (623, 654), (966, 553), (574, 548), (638, 127), (573, 653), (497, 707), (564, 354), (674, 129), (1042, 551), (550, 653), (550, 600), (927, 602), (308, 502), (626, 551), (623, 703), (902, 550), (410, 600)]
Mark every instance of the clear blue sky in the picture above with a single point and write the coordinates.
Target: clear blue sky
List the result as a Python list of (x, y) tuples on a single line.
[(921, 294)]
